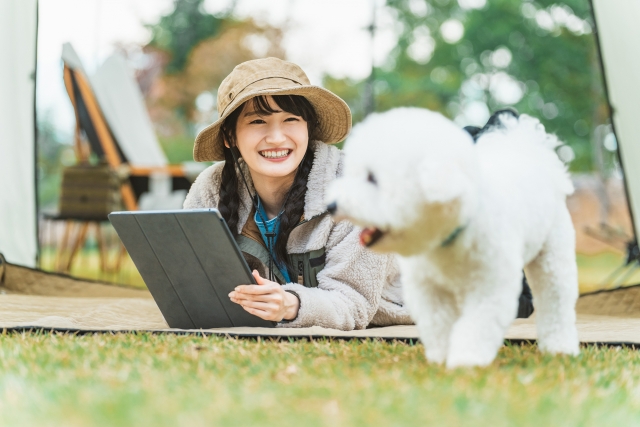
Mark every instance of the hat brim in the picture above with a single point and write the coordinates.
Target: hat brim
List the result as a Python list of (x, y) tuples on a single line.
[(334, 117)]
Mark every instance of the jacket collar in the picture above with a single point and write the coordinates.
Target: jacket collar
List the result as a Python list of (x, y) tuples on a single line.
[(327, 165)]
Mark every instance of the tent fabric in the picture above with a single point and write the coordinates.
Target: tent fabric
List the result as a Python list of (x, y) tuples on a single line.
[(18, 226), (618, 35), (71, 58), (34, 299), (27, 281), (123, 107), (623, 302)]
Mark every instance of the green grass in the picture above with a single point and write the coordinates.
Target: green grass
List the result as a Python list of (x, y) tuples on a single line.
[(592, 269), (166, 380), (87, 266)]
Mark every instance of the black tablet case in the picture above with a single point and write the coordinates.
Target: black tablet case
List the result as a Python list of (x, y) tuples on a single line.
[(190, 262)]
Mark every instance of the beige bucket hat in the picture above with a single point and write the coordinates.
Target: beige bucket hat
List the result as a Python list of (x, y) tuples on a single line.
[(272, 76)]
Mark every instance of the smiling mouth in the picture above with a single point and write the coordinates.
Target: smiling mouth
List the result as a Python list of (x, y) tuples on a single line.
[(275, 154), (370, 236)]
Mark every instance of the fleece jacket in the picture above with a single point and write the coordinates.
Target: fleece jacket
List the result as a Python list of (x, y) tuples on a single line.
[(357, 287)]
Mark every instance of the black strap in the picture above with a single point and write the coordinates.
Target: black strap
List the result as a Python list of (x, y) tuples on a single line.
[(493, 121), (525, 302), (270, 234)]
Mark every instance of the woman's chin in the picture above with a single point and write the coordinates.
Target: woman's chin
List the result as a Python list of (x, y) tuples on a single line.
[(278, 168)]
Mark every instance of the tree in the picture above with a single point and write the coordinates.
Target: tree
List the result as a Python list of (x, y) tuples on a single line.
[(181, 30), (53, 154), (452, 56), (195, 51)]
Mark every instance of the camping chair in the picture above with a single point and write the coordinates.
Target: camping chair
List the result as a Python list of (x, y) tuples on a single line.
[(112, 118)]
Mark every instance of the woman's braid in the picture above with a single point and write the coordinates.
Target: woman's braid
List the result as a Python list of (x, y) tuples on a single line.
[(229, 198), (294, 208)]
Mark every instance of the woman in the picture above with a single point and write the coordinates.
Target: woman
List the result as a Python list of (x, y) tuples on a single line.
[(273, 134)]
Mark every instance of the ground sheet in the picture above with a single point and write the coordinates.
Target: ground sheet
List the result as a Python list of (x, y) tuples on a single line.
[(33, 299)]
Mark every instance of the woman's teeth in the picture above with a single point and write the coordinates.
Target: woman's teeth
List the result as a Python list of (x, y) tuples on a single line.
[(275, 154)]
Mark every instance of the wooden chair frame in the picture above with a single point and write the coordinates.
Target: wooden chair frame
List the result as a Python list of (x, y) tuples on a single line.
[(77, 84)]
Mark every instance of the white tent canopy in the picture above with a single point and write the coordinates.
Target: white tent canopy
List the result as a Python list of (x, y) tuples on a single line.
[(123, 108), (619, 36), (18, 226)]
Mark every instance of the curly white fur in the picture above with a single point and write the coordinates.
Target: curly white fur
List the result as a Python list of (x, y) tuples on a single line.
[(418, 177)]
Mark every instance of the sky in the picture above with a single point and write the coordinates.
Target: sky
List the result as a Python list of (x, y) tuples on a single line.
[(330, 36)]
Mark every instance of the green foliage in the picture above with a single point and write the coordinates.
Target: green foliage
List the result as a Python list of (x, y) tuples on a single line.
[(556, 68), (181, 30), (177, 148), (167, 380), (51, 153)]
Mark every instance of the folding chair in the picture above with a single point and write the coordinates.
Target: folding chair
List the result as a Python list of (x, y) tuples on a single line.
[(112, 123)]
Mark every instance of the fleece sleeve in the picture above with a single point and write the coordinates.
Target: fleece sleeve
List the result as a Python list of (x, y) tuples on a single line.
[(203, 192), (349, 286)]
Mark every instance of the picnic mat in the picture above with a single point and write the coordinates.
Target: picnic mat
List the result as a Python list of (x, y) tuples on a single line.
[(34, 299)]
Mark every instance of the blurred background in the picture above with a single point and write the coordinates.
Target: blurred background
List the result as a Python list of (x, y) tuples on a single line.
[(464, 58)]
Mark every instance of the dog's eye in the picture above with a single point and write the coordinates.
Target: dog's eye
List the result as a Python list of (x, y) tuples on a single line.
[(372, 179)]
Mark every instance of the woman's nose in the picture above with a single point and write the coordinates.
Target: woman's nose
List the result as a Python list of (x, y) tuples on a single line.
[(275, 134)]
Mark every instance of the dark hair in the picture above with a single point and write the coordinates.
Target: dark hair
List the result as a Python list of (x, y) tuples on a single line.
[(294, 201)]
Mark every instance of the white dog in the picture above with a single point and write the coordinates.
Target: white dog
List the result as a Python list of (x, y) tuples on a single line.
[(465, 220)]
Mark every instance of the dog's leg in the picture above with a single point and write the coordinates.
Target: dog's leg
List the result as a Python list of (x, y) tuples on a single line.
[(553, 276), (487, 312), (434, 312)]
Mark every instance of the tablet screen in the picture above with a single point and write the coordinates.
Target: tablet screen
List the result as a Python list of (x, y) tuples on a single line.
[(190, 262)]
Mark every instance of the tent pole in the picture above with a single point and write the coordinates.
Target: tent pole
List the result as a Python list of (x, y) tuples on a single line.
[(35, 140)]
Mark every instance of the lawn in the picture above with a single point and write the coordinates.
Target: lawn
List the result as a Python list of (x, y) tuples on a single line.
[(166, 380), (592, 269)]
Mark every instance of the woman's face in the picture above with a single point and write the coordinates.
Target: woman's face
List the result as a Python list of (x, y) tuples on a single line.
[(273, 145)]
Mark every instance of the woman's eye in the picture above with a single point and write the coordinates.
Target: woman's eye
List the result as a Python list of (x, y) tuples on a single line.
[(292, 119), (257, 122), (372, 179)]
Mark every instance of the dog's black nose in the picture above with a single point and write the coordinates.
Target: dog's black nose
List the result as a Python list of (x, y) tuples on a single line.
[(332, 208)]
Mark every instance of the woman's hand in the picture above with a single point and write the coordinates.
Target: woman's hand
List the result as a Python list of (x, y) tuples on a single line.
[(266, 300)]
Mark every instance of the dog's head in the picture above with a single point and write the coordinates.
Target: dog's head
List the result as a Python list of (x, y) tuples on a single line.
[(409, 179)]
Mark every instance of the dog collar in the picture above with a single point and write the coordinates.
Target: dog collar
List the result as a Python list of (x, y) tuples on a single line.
[(453, 236)]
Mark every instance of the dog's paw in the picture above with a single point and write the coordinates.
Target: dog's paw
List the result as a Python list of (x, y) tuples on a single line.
[(469, 359), (560, 341), (568, 347), (436, 355)]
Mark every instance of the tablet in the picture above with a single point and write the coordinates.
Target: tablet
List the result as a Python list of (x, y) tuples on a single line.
[(190, 262)]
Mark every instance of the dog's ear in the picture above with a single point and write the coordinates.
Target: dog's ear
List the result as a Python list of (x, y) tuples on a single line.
[(443, 180)]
